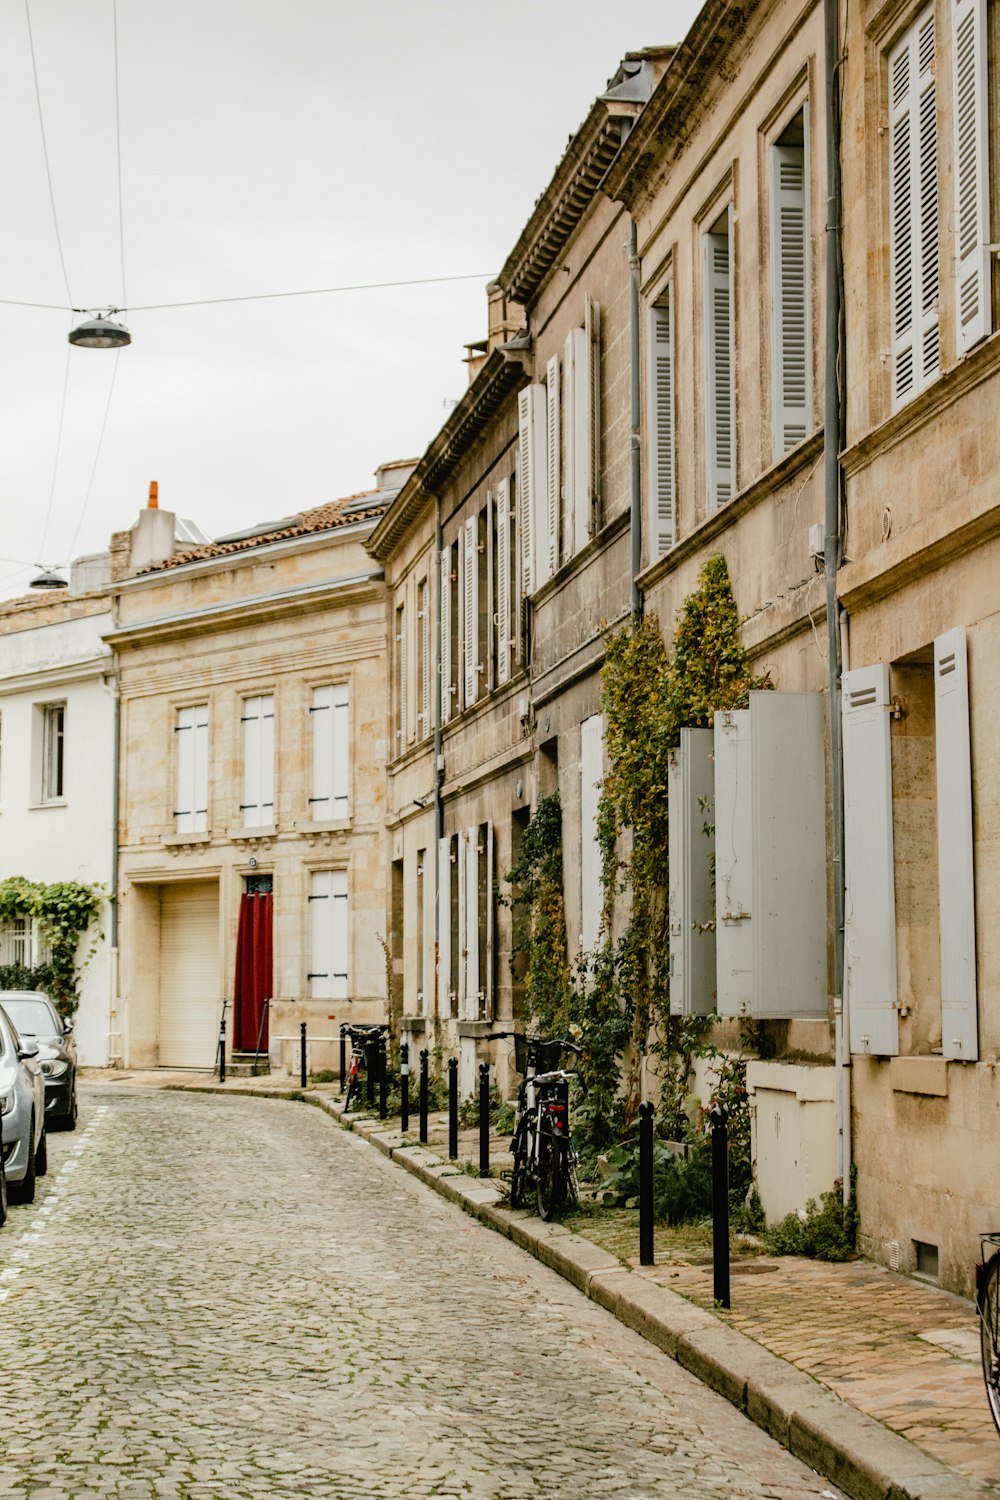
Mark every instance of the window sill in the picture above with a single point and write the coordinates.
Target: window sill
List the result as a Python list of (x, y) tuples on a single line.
[(325, 825), (178, 840), (243, 835), (44, 806)]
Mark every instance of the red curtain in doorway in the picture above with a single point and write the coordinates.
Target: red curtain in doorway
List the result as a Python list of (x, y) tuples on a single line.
[(254, 973)]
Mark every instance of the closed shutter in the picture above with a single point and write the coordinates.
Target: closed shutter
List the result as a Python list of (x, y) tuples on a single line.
[(462, 955), (471, 1012), (444, 927), (959, 1030), (424, 618), (553, 454), (328, 969), (578, 444), (591, 777), (503, 583), (720, 403), (191, 735), (531, 437), (341, 751), (661, 428), (488, 1003), (331, 752), (913, 211), (401, 685), (870, 904), (257, 806), (791, 356), (444, 617), (190, 996), (972, 194), (470, 611)]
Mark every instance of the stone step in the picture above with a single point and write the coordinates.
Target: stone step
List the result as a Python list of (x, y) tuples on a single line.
[(240, 1065)]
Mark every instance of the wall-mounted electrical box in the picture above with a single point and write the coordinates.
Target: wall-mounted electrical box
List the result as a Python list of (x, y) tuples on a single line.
[(691, 899), (770, 895)]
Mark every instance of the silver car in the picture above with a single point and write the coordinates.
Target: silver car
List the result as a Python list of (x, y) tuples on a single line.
[(23, 1151)]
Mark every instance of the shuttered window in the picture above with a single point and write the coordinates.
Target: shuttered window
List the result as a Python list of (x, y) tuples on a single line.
[(660, 417), (791, 352), (502, 587), (446, 882), (956, 886), (720, 398), (191, 736), (401, 669), (691, 886), (971, 171), (530, 479), (470, 612), (329, 713), (914, 271), (444, 607), (424, 628), (548, 559), (870, 896), (578, 446), (329, 966), (257, 807)]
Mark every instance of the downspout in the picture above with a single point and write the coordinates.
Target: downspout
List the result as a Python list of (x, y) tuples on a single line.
[(438, 765), (833, 422), (113, 997), (635, 522)]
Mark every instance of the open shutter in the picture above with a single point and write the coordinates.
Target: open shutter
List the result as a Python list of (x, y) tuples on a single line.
[(531, 437), (503, 582), (913, 211), (470, 606), (472, 925), (425, 660), (444, 618), (401, 643), (462, 956), (972, 194), (553, 452), (578, 388), (690, 894), (661, 428), (592, 329), (959, 1030), (591, 776), (720, 405), (870, 907), (444, 927), (791, 357), (489, 999)]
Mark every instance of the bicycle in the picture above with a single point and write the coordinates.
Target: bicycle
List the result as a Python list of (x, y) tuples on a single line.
[(988, 1308), (542, 1145), (364, 1040)]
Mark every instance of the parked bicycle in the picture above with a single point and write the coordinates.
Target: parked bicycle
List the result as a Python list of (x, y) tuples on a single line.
[(364, 1046), (542, 1146), (988, 1307)]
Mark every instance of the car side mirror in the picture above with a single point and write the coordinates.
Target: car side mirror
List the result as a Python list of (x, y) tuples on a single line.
[(27, 1050)]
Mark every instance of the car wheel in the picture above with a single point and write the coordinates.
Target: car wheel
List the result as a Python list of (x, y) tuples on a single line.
[(70, 1121), (24, 1191), (42, 1154), (3, 1191)]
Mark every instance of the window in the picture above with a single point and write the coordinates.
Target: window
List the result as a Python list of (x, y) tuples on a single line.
[(53, 752), (469, 594), (257, 806), (548, 559), (971, 171), (475, 922), (329, 970), (532, 430), (791, 333), (661, 484), (191, 736), (581, 404), (720, 397), (502, 592), (447, 926), (424, 627), (329, 714), (422, 1006), (400, 678)]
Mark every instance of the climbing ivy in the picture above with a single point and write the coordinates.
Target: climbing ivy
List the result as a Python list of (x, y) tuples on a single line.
[(536, 896), (65, 912)]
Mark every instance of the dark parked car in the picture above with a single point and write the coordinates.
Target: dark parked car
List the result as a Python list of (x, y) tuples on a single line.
[(22, 1115), (34, 1016)]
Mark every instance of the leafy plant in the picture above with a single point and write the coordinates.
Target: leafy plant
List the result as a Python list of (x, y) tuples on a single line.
[(827, 1231), (65, 912)]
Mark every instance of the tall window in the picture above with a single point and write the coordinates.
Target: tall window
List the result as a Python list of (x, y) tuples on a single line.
[(329, 965), (424, 686), (720, 395), (53, 752), (257, 806), (791, 333), (400, 676), (191, 737), (329, 714), (661, 485)]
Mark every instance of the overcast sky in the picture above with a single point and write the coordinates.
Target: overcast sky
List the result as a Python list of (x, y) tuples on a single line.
[(267, 146)]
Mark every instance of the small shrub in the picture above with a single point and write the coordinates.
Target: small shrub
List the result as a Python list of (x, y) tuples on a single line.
[(325, 1075), (829, 1231), (501, 1112)]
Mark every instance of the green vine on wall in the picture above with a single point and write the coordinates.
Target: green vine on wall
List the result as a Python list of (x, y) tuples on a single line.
[(65, 912), (536, 882)]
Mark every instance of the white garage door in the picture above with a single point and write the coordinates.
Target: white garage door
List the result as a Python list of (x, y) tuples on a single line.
[(190, 1001)]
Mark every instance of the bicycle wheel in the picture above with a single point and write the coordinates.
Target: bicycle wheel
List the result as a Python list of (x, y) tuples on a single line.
[(550, 1185), (519, 1171), (988, 1303)]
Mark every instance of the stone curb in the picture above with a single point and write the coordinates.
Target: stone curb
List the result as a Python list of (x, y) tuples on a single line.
[(865, 1459)]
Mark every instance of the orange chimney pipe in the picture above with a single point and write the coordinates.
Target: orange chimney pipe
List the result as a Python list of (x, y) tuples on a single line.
[(154, 495)]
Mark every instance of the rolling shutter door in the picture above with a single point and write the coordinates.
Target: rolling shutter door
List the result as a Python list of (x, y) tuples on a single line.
[(190, 998)]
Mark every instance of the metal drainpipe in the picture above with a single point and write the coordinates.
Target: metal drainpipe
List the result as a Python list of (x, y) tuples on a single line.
[(833, 415), (438, 764), (636, 508)]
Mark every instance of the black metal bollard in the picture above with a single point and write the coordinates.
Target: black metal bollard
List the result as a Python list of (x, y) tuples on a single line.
[(452, 1108), (302, 1054), (423, 1096), (484, 1119), (646, 1256), (404, 1088), (383, 1069), (343, 1057), (720, 1206), (371, 1068), (222, 1047)]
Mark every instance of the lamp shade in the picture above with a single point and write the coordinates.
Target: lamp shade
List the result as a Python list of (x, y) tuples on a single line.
[(48, 579), (100, 333)]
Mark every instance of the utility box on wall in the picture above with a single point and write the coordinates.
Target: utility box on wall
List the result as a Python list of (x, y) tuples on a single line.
[(770, 838), (691, 900)]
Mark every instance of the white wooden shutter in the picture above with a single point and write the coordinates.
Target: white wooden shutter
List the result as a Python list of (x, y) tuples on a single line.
[(959, 1030), (258, 762), (690, 892), (578, 444), (503, 583), (972, 191), (591, 776), (913, 211), (661, 428), (791, 356), (470, 611), (553, 476), (340, 750), (444, 617), (472, 925), (488, 999), (444, 926), (462, 956), (461, 643), (592, 329), (340, 936), (401, 685), (870, 907), (330, 752), (425, 660), (201, 768), (191, 734), (531, 440), (321, 959), (720, 403)]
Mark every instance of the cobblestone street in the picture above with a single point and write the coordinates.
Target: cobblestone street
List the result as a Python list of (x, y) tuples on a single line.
[(230, 1298)]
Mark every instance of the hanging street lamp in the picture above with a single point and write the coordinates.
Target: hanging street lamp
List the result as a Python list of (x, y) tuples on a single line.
[(101, 332)]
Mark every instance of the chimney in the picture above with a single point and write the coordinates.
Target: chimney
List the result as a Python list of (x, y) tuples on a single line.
[(154, 533)]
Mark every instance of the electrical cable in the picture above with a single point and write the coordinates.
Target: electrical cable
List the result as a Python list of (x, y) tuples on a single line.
[(55, 463), (118, 151), (45, 154), (97, 455)]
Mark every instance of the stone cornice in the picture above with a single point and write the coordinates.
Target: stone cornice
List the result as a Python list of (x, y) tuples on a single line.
[(59, 673)]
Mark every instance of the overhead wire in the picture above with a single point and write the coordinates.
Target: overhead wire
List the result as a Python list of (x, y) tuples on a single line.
[(45, 154), (97, 455)]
